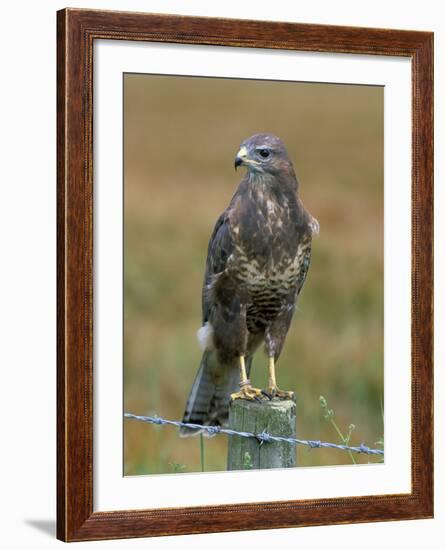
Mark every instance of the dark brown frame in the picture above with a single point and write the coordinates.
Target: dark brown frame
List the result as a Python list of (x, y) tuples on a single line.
[(76, 32)]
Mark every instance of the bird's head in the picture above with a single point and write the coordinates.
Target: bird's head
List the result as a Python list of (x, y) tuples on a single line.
[(264, 154)]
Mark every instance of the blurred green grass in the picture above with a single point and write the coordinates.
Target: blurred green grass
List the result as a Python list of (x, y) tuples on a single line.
[(181, 136)]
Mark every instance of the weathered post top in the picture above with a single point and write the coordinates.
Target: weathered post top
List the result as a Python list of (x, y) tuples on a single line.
[(276, 417)]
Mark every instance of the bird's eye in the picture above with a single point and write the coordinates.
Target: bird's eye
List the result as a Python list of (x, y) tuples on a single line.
[(264, 153)]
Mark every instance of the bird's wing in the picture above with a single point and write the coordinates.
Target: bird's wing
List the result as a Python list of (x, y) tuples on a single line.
[(220, 248), (303, 264), (313, 228)]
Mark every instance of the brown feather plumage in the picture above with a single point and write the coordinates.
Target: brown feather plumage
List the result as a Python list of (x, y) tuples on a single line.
[(258, 258)]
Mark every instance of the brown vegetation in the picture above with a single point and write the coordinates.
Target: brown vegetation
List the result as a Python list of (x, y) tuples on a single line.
[(181, 136)]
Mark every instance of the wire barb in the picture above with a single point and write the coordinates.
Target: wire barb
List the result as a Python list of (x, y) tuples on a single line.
[(262, 437)]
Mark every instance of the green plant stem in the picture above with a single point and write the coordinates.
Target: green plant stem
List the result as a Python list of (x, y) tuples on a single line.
[(201, 440), (345, 441)]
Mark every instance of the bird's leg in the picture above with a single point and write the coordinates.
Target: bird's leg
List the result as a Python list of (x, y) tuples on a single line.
[(272, 389), (246, 389)]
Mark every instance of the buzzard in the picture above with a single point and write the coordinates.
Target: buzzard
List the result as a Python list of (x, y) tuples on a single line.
[(258, 258)]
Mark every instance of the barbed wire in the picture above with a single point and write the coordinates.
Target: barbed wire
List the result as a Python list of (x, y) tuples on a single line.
[(262, 437)]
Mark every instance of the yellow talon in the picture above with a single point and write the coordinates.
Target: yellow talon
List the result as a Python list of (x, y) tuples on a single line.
[(273, 390), (281, 394), (248, 392), (246, 389)]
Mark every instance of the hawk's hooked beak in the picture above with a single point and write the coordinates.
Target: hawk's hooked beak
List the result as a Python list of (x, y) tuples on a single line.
[(241, 157)]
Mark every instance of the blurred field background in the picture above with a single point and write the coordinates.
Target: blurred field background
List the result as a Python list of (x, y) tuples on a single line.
[(181, 137)]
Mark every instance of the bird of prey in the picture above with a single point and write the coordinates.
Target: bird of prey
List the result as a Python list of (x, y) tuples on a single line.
[(258, 258)]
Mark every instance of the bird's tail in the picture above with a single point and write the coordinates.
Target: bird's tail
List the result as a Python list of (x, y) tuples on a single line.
[(208, 402)]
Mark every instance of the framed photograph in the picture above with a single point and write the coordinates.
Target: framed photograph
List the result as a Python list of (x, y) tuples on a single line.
[(245, 229)]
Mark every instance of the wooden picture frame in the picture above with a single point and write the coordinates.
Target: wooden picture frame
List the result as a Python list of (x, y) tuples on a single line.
[(76, 32)]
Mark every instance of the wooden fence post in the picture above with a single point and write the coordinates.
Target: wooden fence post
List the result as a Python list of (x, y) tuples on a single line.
[(276, 417)]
